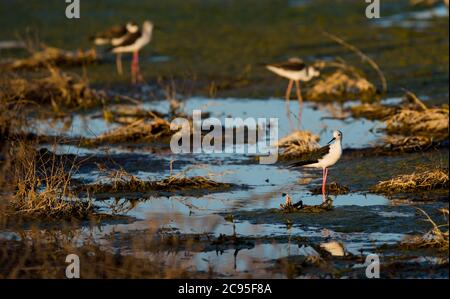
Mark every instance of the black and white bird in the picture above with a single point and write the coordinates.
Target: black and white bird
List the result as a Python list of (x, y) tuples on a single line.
[(133, 43), (324, 158), (114, 36), (295, 70)]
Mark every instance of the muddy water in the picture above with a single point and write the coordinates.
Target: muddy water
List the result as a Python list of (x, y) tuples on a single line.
[(361, 221)]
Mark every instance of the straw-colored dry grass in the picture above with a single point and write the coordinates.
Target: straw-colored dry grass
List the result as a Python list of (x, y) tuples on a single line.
[(298, 144), (437, 237), (341, 85), (431, 121), (420, 180), (52, 56), (42, 186), (58, 89), (373, 111), (410, 126)]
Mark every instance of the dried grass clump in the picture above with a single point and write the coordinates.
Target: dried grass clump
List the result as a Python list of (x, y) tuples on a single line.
[(417, 126), (373, 111), (121, 181), (408, 143), (42, 186), (58, 89), (421, 180), (437, 237), (139, 131), (297, 144), (52, 56), (341, 85), (431, 121)]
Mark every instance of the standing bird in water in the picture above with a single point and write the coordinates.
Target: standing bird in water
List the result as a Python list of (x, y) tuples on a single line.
[(114, 36), (133, 43), (295, 70), (323, 158)]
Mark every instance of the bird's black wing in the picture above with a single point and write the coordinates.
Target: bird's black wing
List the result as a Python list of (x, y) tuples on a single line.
[(113, 32), (290, 65), (311, 158), (128, 40)]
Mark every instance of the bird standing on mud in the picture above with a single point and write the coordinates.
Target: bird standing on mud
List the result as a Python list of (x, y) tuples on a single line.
[(323, 158), (295, 70), (114, 36), (133, 43)]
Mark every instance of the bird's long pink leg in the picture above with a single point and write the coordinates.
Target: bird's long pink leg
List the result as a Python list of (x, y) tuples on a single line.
[(300, 102), (134, 68), (288, 108), (323, 182), (138, 69)]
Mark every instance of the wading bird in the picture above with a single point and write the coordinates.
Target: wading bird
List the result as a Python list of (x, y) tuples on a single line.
[(295, 70), (133, 43), (114, 36), (323, 158)]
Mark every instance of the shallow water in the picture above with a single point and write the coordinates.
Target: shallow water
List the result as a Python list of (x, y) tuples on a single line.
[(416, 19), (321, 120)]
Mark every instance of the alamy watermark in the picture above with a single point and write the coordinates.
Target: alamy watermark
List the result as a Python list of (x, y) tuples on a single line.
[(373, 9), (228, 137), (73, 9), (372, 266), (73, 269)]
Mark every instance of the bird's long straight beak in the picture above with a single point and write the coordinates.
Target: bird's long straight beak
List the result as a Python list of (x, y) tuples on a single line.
[(331, 140)]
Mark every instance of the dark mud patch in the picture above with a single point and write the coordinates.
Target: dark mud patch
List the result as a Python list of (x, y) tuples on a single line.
[(333, 188), (137, 188), (348, 219), (362, 172)]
